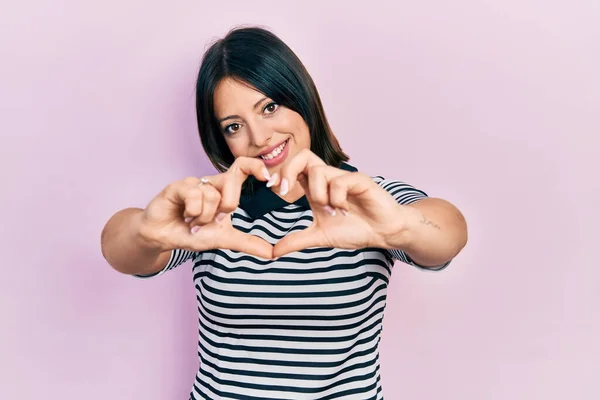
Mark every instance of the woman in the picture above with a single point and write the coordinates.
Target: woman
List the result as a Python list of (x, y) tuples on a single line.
[(292, 248)]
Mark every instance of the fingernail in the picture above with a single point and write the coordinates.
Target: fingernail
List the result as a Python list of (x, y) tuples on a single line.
[(266, 173), (220, 217), (272, 180), (188, 219), (195, 229), (330, 210), (345, 212), (284, 187)]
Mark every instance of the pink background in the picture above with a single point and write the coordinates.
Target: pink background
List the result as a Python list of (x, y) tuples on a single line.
[(493, 105)]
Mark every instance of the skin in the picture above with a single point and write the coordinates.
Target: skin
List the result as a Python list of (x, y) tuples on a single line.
[(349, 209), (252, 123), (431, 231)]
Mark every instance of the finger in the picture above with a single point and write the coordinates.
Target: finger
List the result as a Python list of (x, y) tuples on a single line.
[(182, 238), (238, 241), (189, 193), (316, 186), (338, 191), (274, 180), (296, 241), (193, 201), (231, 189), (297, 169), (177, 192), (240, 170), (230, 183), (210, 203)]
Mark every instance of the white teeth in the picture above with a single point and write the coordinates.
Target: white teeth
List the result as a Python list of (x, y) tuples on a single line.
[(275, 152)]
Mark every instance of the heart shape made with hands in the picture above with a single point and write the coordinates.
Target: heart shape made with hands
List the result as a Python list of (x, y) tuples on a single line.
[(350, 211)]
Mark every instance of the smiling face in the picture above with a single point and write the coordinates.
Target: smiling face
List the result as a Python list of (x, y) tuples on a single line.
[(253, 125)]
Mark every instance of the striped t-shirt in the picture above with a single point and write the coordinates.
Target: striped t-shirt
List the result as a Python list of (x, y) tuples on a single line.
[(304, 326)]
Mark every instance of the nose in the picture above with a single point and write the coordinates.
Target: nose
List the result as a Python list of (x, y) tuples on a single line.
[(260, 134)]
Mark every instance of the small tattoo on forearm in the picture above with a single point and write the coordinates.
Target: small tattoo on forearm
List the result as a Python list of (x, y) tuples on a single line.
[(425, 221)]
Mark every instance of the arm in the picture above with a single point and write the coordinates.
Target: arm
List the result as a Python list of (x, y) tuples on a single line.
[(431, 233), (125, 249), (180, 222)]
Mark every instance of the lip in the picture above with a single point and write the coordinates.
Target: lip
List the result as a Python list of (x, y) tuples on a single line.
[(279, 159), (270, 149)]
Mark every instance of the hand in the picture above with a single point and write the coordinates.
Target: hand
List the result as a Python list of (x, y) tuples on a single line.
[(190, 214), (366, 214)]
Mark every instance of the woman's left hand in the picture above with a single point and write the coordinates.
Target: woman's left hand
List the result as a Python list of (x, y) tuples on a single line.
[(350, 211)]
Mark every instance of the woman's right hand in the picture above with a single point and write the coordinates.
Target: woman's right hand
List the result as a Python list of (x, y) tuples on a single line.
[(192, 215)]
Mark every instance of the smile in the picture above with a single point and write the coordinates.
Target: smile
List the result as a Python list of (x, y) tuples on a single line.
[(277, 151)]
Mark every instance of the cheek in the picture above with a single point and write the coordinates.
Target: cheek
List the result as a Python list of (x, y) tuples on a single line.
[(303, 138), (237, 146), (300, 130), (307, 137)]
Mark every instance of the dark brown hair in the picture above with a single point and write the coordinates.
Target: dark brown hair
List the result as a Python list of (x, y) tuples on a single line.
[(257, 57)]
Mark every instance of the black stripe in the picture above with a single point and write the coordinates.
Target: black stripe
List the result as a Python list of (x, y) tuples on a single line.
[(318, 328), (206, 274), (287, 295), (255, 228), (288, 317), (283, 375), (307, 306), (348, 256), (223, 394), (287, 362), (305, 217), (294, 389), (279, 226), (332, 254), (286, 338)]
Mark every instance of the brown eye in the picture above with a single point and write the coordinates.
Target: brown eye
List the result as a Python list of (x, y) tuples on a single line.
[(233, 128), (271, 108)]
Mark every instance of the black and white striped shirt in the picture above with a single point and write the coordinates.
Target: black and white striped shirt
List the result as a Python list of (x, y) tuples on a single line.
[(305, 326)]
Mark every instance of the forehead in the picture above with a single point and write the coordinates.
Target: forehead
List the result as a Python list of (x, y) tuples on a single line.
[(232, 96)]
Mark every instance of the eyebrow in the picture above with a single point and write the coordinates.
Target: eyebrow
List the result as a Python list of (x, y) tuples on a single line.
[(237, 116)]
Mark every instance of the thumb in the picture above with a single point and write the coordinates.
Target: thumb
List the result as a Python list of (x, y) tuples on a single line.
[(296, 241), (236, 240)]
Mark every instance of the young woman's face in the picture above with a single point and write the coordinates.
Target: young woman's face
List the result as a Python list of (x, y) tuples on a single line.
[(254, 126)]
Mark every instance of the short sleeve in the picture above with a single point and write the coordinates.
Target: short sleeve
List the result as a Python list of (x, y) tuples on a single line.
[(178, 257), (405, 194)]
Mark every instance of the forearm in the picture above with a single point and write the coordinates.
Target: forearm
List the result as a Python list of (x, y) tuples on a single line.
[(433, 231), (124, 248)]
